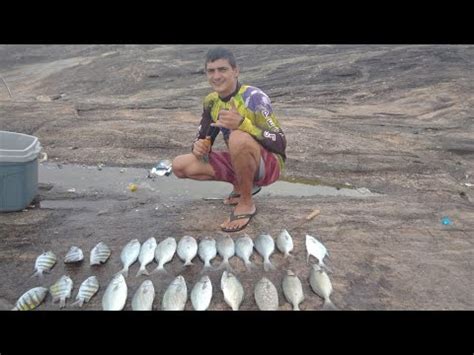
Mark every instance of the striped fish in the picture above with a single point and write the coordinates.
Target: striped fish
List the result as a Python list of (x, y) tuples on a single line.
[(44, 263), (88, 289), (74, 255), (31, 299), (99, 254), (61, 290)]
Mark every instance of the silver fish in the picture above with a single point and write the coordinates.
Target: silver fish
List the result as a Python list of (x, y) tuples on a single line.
[(293, 290), (243, 249), (164, 253), (99, 254), (143, 297), (232, 289), (175, 296), (87, 290), (226, 249), (265, 246), (321, 285), (147, 254), (187, 249), (266, 295), (201, 294), (316, 248), (61, 290), (31, 299), (115, 295), (44, 263), (74, 255), (207, 251), (129, 255), (284, 243)]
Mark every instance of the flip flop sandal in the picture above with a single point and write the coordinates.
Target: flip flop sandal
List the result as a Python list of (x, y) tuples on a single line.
[(234, 217), (255, 190)]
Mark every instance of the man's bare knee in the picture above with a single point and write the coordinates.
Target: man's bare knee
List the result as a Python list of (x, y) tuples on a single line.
[(179, 166)]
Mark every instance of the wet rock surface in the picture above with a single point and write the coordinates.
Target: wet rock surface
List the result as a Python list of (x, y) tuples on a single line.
[(397, 120)]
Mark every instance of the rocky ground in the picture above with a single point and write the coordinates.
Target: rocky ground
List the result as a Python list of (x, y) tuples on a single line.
[(397, 120)]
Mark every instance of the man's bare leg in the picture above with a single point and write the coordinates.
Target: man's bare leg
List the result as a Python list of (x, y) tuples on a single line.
[(190, 167), (245, 157)]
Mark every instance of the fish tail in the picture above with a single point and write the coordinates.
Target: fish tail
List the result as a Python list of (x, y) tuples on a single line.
[(307, 258), (188, 263), (62, 303), (323, 265), (142, 271), (79, 302), (296, 307), (124, 272), (267, 265), (249, 265), (329, 306)]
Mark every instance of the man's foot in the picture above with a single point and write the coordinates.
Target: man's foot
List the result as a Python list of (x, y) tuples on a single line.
[(234, 196), (239, 218)]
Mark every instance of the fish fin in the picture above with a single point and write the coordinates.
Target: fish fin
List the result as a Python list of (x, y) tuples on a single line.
[(329, 306), (188, 263), (62, 302), (207, 268), (307, 258), (124, 272), (296, 307)]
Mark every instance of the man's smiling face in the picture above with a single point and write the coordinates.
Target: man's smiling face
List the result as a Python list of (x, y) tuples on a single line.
[(222, 77)]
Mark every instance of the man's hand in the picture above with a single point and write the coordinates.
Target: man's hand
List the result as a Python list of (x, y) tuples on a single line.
[(230, 119), (201, 148)]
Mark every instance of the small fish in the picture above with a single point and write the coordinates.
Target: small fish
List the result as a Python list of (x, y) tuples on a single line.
[(99, 254), (266, 295), (164, 253), (207, 251), (317, 249), (61, 290), (284, 243), (187, 249), (115, 295), (293, 290), (232, 289), (88, 289), (201, 294), (265, 246), (129, 255), (31, 299), (175, 296), (73, 255), (226, 249), (143, 297), (321, 285), (44, 263), (147, 254), (243, 249)]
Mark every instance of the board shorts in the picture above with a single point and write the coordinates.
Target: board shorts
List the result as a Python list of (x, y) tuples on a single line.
[(268, 171)]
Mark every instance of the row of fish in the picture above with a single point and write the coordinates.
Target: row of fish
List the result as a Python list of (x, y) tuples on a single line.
[(176, 295)]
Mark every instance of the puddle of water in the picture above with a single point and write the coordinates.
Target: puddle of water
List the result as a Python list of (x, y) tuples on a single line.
[(89, 180)]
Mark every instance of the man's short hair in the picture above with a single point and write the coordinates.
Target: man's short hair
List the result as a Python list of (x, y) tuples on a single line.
[(220, 53)]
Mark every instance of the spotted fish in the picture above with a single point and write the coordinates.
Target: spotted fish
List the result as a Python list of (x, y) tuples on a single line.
[(266, 295), (31, 299), (87, 290), (293, 290), (143, 298), (175, 296)]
